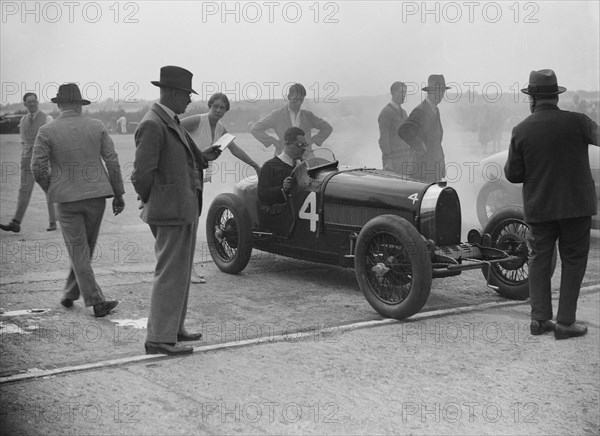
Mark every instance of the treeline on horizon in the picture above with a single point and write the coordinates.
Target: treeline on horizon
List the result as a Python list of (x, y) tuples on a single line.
[(346, 113)]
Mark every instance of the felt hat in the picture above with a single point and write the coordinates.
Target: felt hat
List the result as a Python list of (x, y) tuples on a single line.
[(434, 82), (175, 78), (69, 93), (543, 82)]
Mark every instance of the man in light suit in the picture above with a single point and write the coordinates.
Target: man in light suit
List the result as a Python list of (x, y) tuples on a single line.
[(548, 153), (67, 164), (167, 175), (423, 131), (291, 115), (28, 129)]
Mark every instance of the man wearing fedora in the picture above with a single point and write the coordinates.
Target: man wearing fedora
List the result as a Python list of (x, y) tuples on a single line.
[(67, 163), (423, 131), (549, 154), (167, 175)]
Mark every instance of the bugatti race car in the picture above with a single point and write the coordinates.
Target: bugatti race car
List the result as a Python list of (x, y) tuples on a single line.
[(396, 233)]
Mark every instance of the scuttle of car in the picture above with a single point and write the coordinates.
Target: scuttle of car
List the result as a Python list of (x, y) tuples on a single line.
[(397, 233)]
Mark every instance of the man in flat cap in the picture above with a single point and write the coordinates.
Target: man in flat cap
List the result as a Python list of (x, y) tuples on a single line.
[(423, 131), (549, 154), (396, 154), (167, 175), (67, 163)]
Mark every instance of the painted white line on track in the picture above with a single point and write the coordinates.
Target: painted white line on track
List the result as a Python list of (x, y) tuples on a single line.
[(37, 373)]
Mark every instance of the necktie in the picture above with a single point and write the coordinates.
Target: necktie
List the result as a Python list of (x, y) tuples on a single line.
[(30, 118), (177, 119)]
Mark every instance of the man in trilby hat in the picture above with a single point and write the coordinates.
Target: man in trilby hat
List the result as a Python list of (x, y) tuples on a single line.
[(423, 131), (68, 157), (167, 175), (549, 154)]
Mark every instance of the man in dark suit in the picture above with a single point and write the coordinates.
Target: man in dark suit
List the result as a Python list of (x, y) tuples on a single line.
[(64, 152), (274, 178), (396, 155), (168, 176), (549, 154), (291, 115), (423, 131)]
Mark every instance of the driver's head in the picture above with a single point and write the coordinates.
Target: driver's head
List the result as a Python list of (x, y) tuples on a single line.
[(295, 142)]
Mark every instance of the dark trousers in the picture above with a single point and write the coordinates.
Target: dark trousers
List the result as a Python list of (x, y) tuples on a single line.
[(174, 247), (80, 224), (573, 236)]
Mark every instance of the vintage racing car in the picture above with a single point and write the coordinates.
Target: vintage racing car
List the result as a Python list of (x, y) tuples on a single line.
[(396, 233)]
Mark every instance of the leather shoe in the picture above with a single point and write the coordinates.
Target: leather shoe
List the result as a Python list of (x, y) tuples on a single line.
[(185, 336), (569, 331), (67, 302), (12, 226), (103, 309), (539, 327), (168, 349), (51, 227)]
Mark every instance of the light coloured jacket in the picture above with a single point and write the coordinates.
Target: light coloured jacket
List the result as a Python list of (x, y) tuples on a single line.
[(279, 121), (68, 156)]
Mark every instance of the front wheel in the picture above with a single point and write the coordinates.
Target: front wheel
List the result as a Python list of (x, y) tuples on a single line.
[(228, 233), (393, 267)]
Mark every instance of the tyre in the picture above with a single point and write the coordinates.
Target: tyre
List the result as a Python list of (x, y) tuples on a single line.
[(393, 267), (509, 232), (228, 233), (491, 198)]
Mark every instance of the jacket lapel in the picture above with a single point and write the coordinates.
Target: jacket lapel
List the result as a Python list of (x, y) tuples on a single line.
[(170, 122)]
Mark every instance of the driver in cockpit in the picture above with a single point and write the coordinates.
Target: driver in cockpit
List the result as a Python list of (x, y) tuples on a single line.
[(275, 175)]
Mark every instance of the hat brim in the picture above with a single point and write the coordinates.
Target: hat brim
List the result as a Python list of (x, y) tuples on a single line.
[(82, 102), (427, 88), (560, 90), (162, 85)]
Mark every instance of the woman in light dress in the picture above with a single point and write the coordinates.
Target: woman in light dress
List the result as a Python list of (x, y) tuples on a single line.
[(207, 128)]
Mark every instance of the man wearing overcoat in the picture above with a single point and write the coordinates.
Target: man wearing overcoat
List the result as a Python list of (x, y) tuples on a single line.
[(167, 176), (549, 154), (423, 131)]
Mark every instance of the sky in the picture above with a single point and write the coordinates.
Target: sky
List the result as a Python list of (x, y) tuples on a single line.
[(254, 50)]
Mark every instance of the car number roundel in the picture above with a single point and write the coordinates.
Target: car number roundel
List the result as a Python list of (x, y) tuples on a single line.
[(308, 211)]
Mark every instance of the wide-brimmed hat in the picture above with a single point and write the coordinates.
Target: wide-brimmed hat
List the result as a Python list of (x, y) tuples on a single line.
[(69, 93), (435, 82), (543, 82), (176, 78)]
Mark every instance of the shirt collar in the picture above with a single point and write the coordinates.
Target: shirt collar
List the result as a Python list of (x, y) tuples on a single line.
[(395, 105), (286, 158), (167, 110), (35, 114)]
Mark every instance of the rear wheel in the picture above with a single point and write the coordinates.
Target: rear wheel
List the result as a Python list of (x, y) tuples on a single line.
[(228, 233), (393, 267)]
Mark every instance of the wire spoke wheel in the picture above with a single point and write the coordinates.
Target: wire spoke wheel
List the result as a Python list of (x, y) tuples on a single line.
[(228, 233), (510, 233), (389, 269), (393, 266)]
